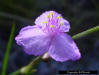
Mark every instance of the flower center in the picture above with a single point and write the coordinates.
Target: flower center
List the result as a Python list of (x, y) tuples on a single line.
[(53, 23)]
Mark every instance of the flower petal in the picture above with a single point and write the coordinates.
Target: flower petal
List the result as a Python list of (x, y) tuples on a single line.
[(43, 18), (33, 40), (63, 48)]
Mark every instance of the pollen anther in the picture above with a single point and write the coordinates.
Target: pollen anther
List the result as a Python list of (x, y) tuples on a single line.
[(61, 23), (51, 13), (45, 22), (51, 26), (48, 16), (58, 17)]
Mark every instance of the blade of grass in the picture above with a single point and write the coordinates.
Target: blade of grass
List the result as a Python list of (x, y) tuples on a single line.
[(5, 62), (15, 17)]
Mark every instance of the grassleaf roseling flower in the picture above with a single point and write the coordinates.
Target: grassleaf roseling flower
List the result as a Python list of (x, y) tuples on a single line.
[(48, 35)]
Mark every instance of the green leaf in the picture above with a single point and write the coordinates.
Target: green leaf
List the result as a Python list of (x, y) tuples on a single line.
[(5, 62)]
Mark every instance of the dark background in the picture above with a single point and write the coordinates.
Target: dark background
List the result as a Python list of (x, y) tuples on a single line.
[(82, 15)]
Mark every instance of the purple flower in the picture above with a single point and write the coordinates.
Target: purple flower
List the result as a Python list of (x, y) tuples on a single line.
[(48, 35)]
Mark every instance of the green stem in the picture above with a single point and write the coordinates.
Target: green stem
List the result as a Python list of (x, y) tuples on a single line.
[(36, 61), (8, 50), (87, 32), (27, 69)]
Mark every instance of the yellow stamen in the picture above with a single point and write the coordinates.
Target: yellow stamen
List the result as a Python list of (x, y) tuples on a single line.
[(51, 13), (58, 17), (48, 16), (51, 26), (45, 22), (61, 23)]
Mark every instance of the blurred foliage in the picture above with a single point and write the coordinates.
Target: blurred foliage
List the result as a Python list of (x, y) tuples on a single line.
[(82, 15)]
